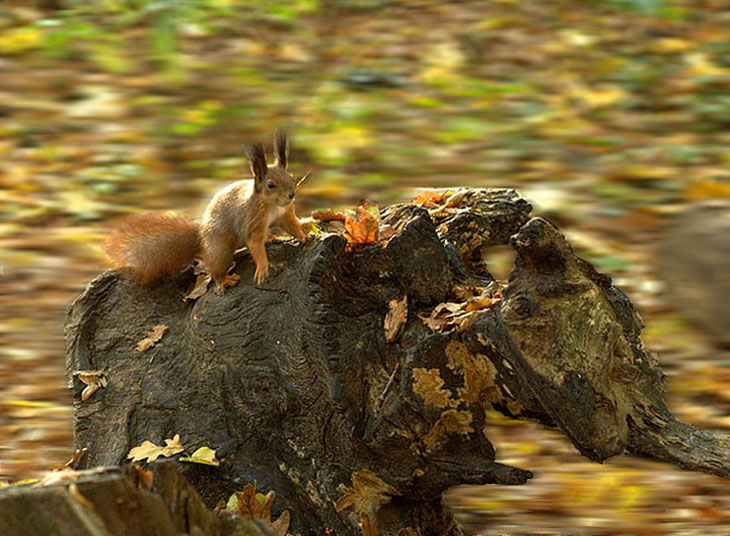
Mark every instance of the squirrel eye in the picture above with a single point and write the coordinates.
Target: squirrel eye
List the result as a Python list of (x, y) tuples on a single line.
[(271, 185)]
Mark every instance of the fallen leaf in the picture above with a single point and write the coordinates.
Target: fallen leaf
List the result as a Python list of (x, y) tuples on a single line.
[(368, 526), (75, 458), (152, 337), (151, 452), (94, 380), (204, 456), (460, 315), (328, 215), (395, 319), (362, 228), (385, 233), (367, 494), (199, 289), (430, 198), (251, 505)]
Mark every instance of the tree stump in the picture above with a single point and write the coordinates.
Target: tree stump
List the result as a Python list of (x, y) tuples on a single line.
[(115, 502), (295, 387)]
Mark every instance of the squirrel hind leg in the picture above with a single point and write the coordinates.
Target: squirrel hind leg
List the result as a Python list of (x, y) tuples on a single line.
[(217, 258)]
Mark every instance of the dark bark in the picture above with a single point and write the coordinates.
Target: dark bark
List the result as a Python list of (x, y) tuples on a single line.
[(111, 502), (295, 387)]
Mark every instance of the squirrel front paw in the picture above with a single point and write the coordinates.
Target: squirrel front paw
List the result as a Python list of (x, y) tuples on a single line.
[(261, 273)]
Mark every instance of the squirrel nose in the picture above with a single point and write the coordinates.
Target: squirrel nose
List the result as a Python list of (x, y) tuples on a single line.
[(291, 194)]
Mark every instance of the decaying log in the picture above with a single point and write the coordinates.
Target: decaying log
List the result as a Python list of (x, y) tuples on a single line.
[(115, 502), (295, 387)]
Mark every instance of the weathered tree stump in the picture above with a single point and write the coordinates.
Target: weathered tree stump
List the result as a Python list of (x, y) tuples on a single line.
[(115, 502), (296, 388)]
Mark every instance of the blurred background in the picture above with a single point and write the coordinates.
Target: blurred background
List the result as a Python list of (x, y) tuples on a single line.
[(611, 116)]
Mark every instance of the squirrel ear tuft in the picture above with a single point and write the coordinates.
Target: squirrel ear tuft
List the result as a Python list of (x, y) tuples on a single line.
[(281, 148), (257, 161)]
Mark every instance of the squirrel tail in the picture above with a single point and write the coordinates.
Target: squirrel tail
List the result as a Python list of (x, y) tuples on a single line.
[(153, 245)]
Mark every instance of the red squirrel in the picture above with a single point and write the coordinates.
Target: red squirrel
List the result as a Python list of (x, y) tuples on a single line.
[(153, 245)]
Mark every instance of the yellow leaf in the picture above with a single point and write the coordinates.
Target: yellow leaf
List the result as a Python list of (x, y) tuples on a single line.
[(670, 45), (19, 40), (150, 451), (204, 456)]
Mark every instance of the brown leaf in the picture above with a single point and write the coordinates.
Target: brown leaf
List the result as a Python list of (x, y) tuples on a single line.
[(367, 494), (328, 215), (152, 337), (75, 458), (199, 289), (430, 199), (368, 526), (395, 319), (251, 505), (362, 228), (280, 527), (478, 302)]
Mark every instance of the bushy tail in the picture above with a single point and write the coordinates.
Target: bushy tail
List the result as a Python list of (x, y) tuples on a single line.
[(153, 245)]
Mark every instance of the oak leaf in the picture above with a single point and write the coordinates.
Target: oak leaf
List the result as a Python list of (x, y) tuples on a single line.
[(150, 451), (158, 331)]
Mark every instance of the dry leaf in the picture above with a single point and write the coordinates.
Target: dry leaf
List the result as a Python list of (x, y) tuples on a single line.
[(280, 527), (199, 289), (151, 452), (362, 228), (455, 199), (152, 337), (368, 526), (204, 455), (251, 505), (367, 494), (94, 380), (385, 233), (430, 199), (395, 319), (328, 215), (75, 458), (460, 315)]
